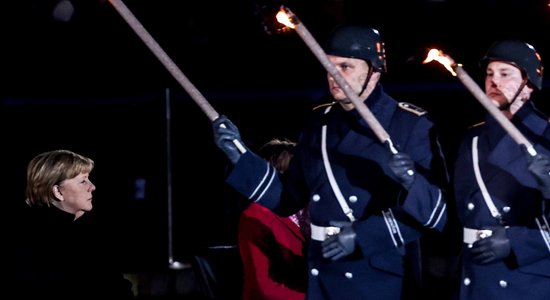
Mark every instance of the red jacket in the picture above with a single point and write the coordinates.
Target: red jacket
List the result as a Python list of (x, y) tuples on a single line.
[(271, 249)]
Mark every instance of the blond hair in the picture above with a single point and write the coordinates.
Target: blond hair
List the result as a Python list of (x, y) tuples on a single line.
[(49, 169)]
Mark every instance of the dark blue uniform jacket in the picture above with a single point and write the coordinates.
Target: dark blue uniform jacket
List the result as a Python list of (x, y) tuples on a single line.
[(512, 188), (388, 217)]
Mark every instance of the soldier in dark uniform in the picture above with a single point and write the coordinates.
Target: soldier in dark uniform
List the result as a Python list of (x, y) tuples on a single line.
[(367, 206), (502, 190)]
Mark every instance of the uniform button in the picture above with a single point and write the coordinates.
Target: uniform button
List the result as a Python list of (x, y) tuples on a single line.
[(503, 283), (314, 272), (316, 197), (471, 206), (467, 281), (348, 275), (352, 199), (506, 209)]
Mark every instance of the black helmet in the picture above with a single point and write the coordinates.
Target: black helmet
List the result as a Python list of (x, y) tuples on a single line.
[(519, 54), (358, 42)]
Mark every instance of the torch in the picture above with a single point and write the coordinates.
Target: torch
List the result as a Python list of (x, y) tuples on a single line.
[(286, 17), (187, 85), (195, 94), (469, 83)]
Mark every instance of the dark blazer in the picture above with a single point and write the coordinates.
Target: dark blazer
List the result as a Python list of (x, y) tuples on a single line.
[(57, 257), (388, 217), (512, 188), (272, 252)]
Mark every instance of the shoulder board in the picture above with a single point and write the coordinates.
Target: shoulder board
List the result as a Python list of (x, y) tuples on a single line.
[(324, 105), (412, 108)]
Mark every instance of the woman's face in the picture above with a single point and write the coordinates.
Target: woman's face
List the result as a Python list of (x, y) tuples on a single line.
[(75, 194)]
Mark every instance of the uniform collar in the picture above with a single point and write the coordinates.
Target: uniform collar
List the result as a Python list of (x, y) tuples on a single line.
[(530, 121), (381, 108), (527, 119)]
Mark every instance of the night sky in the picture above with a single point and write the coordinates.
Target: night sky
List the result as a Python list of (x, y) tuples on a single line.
[(80, 78)]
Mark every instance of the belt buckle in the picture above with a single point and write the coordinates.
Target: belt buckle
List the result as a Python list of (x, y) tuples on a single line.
[(330, 231), (484, 233)]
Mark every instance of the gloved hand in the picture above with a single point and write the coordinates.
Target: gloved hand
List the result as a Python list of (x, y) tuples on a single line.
[(492, 248), (539, 166), (402, 167), (341, 244), (225, 135)]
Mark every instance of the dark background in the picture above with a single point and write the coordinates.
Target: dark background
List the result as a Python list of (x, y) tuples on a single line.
[(86, 82)]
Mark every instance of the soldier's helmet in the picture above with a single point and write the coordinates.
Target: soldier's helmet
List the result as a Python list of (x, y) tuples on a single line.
[(358, 42), (520, 54)]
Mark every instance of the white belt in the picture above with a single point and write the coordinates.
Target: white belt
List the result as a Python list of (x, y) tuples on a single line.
[(472, 235), (321, 233)]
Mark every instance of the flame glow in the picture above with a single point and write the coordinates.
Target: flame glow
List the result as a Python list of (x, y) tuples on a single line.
[(283, 18), (443, 59)]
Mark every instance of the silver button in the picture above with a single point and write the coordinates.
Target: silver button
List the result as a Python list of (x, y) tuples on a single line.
[(503, 283), (316, 197), (471, 206), (352, 199), (348, 275), (506, 209), (314, 272), (467, 281)]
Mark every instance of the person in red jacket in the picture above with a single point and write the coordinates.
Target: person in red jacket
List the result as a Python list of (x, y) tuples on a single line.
[(271, 246)]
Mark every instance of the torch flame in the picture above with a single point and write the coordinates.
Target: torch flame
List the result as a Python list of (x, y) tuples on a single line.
[(443, 59), (284, 19)]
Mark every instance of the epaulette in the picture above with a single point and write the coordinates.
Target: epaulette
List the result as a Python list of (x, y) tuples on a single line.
[(324, 105), (412, 108)]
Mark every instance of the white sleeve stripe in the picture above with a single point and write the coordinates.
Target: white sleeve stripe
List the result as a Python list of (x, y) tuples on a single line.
[(266, 187), (544, 231), (440, 216), (251, 196), (435, 211)]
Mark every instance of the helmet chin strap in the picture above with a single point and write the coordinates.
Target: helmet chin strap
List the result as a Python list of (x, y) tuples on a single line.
[(507, 105), (366, 83)]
